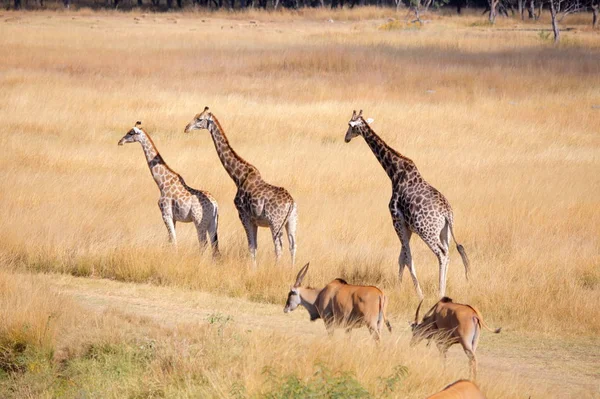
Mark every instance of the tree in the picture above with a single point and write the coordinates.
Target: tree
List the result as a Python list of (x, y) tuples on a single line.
[(493, 4), (420, 7), (559, 9), (595, 6)]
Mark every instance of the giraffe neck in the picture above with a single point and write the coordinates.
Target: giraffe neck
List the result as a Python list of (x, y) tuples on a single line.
[(395, 165), (308, 298), (158, 167), (237, 168)]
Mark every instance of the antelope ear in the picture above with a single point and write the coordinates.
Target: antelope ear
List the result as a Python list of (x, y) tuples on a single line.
[(370, 120), (354, 123)]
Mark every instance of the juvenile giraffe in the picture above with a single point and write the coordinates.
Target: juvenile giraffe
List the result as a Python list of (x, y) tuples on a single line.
[(415, 206), (258, 203), (178, 202)]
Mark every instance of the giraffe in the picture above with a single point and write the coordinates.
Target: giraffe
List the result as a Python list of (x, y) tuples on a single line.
[(178, 202), (416, 206), (258, 203)]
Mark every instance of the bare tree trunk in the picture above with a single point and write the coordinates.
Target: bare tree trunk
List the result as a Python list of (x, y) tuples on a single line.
[(595, 16), (531, 9), (539, 14), (520, 4), (493, 4), (554, 22), (67, 3), (17, 4)]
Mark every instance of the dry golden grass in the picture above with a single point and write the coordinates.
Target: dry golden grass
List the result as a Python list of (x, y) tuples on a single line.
[(165, 344), (509, 135)]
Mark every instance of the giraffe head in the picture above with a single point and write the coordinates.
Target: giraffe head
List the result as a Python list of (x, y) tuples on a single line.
[(294, 295), (135, 134), (355, 125), (200, 121)]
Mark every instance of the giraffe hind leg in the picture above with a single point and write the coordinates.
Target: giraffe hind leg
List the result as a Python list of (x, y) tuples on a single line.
[(213, 235), (290, 228), (277, 241)]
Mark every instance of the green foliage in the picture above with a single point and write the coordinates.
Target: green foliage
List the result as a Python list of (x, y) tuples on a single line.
[(219, 320), (390, 383), (323, 384), (399, 25), (484, 23), (545, 35)]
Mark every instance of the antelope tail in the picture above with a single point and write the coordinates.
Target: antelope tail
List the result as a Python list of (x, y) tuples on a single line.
[(461, 251), (483, 323), (381, 317)]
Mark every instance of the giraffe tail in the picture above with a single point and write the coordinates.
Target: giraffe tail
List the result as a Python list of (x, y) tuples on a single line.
[(461, 251)]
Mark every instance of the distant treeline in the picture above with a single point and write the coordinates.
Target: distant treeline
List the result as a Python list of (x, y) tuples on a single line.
[(158, 5), (526, 9)]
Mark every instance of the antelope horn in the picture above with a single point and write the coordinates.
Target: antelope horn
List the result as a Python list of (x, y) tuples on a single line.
[(301, 275), (417, 314)]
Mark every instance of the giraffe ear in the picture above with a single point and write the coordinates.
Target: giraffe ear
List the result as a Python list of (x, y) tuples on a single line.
[(370, 120)]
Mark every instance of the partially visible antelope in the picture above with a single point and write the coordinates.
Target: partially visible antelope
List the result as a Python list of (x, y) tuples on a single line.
[(340, 304), (449, 323), (461, 389)]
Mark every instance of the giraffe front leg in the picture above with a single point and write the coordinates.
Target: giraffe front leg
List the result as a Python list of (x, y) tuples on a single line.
[(251, 233), (167, 216), (170, 223), (405, 258)]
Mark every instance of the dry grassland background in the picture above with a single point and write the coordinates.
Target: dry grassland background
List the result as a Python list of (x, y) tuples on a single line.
[(500, 121)]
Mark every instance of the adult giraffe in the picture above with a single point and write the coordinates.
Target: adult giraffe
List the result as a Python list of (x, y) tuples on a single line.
[(178, 202), (258, 203), (415, 206)]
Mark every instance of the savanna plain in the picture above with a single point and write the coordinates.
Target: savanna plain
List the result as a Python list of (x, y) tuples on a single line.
[(95, 303)]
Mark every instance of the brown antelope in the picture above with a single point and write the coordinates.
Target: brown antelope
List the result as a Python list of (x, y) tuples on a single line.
[(340, 304), (449, 323), (461, 389)]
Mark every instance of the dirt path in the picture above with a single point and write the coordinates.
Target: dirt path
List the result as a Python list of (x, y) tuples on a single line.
[(570, 367)]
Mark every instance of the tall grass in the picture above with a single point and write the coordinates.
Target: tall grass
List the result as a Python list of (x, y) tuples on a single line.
[(112, 354), (502, 124)]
